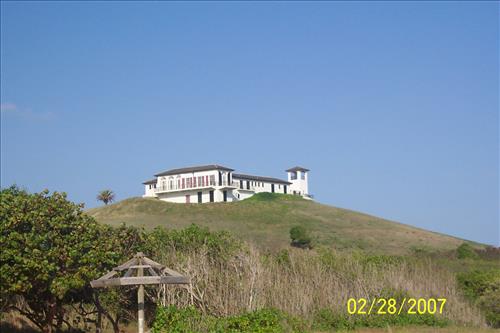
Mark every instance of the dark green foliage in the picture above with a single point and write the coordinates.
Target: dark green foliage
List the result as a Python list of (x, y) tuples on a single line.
[(300, 237), (465, 251), (483, 287), (326, 319), (478, 283), (490, 303), (266, 196), (50, 251), (172, 319)]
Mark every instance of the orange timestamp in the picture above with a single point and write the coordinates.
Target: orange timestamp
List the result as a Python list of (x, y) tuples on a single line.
[(391, 306)]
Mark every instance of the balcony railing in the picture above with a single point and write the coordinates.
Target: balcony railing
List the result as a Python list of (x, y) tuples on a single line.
[(167, 187)]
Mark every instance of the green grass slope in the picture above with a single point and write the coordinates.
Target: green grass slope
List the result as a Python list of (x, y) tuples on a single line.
[(266, 219)]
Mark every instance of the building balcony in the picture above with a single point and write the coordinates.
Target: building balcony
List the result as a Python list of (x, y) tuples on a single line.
[(167, 187)]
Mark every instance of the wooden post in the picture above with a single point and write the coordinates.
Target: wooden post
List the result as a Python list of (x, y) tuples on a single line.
[(140, 301), (158, 275)]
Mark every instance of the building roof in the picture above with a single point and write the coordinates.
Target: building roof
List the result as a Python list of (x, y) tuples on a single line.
[(297, 168), (260, 179), (152, 181), (193, 169)]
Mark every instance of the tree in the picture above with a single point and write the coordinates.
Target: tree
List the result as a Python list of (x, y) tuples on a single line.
[(300, 237), (50, 251), (106, 196)]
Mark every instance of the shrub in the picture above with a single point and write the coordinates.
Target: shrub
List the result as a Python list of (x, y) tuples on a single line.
[(300, 237), (326, 319), (465, 251), (172, 319), (478, 283), (483, 287), (490, 303)]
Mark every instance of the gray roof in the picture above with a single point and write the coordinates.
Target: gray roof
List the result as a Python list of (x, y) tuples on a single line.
[(297, 168), (152, 181), (193, 169), (260, 179)]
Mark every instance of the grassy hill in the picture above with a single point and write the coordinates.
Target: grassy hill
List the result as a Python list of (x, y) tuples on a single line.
[(266, 219)]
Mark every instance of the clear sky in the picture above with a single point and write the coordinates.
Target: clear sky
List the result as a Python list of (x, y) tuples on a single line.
[(392, 105)]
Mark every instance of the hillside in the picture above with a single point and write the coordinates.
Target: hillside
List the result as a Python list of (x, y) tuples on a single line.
[(266, 220)]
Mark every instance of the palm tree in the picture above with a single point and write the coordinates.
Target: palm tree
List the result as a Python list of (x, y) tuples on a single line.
[(106, 196)]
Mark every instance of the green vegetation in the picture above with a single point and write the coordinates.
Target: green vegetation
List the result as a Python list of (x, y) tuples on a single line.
[(327, 320), (483, 288), (172, 319), (466, 251), (106, 196), (51, 250), (266, 219), (300, 237)]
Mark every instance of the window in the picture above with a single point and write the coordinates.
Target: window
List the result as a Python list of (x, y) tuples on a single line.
[(188, 182), (284, 189), (194, 181), (225, 195), (212, 180), (183, 183), (211, 194), (302, 175), (200, 195), (293, 175)]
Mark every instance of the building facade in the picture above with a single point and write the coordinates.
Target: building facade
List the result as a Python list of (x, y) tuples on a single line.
[(216, 183)]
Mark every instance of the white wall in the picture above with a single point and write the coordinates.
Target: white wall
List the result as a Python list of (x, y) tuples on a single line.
[(299, 185), (149, 190)]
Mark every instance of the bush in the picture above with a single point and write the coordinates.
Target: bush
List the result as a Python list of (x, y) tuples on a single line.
[(483, 288), (490, 303), (300, 237), (326, 319), (465, 251), (479, 283), (172, 319)]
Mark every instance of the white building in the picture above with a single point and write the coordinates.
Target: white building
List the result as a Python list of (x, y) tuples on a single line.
[(216, 183)]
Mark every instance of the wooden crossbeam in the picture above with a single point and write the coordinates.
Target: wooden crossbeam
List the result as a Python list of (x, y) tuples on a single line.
[(138, 280), (153, 263), (171, 272), (133, 261)]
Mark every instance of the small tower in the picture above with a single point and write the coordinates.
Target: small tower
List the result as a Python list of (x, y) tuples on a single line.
[(298, 177)]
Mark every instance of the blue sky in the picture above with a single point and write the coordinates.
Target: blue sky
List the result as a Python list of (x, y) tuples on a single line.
[(392, 105)]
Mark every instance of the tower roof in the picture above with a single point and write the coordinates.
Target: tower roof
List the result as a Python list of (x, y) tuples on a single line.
[(297, 168)]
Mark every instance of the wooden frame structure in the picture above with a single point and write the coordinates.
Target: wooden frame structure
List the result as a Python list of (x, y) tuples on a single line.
[(146, 272)]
